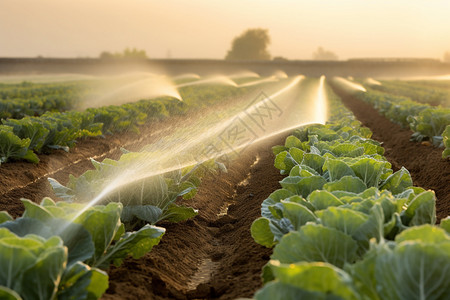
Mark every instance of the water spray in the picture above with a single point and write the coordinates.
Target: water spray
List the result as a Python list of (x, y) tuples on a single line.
[(221, 80), (149, 87), (349, 85), (186, 149)]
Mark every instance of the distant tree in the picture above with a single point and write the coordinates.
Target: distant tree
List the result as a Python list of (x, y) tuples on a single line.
[(447, 56), (127, 54), (322, 54), (251, 44)]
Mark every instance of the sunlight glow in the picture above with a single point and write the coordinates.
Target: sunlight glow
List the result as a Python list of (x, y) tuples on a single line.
[(350, 85), (187, 150), (140, 88), (244, 74), (251, 83), (187, 76), (372, 81), (280, 74), (222, 80), (321, 102)]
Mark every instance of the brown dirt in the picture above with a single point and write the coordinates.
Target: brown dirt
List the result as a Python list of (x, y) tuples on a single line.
[(425, 163), (212, 245)]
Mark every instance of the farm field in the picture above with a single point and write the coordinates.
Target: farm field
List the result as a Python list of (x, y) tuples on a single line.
[(215, 177), (238, 150)]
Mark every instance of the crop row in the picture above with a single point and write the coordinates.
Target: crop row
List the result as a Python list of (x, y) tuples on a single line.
[(427, 122), (417, 91), (58, 250), (147, 198), (29, 99), (68, 244), (35, 99), (441, 84), (345, 226), (23, 138)]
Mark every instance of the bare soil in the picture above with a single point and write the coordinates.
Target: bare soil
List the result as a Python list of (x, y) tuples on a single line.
[(212, 256)]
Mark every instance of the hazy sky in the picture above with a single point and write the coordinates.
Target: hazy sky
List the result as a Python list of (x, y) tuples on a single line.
[(205, 28)]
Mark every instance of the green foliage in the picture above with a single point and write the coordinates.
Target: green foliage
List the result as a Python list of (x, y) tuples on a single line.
[(410, 268), (261, 232), (8, 294), (93, 235), (398, 182), (427, 122), (316, 281), (445, 224), (4, 217), (82, 282), (34, 267), (134, 244), (430, 123), (425, 92), (13, 147), (146, 200), (55, 249), (34, 99), (54, 128), (446, 142), (31, 265), (366, 234), (370, 214), (346, 170), (346, 183), (421, 210), (314, 242)]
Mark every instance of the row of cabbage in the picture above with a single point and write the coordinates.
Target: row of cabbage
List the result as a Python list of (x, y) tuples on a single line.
[(19, 100), (442, 83), (419, 91), (61, 250), (426, 122), (35, 99), (22, 139), (147, 197), (345, 226), (55, 252)]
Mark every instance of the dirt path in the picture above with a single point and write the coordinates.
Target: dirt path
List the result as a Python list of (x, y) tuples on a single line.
[(212, 256), (425, 163)]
